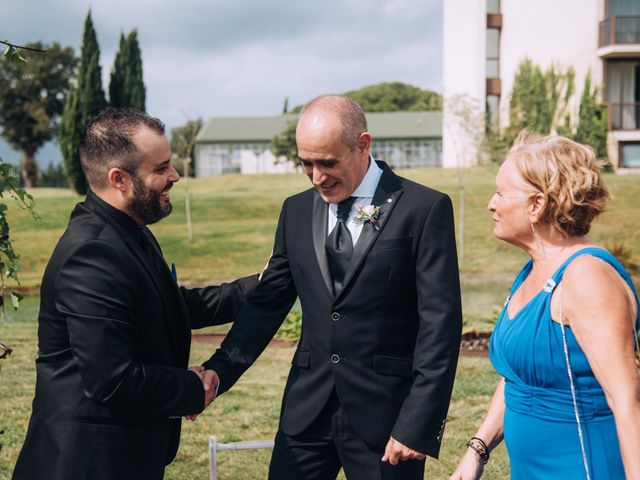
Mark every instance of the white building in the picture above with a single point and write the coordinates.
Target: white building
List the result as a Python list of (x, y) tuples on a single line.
[(243, 144), (486, 40)]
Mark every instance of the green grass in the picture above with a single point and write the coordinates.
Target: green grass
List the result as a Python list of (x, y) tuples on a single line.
[(247, 412), (234, 219)]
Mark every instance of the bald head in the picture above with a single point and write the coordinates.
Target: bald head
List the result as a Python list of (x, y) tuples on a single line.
[(328, 108)]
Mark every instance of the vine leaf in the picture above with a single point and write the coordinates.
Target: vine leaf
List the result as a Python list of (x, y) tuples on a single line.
[(15, 300)]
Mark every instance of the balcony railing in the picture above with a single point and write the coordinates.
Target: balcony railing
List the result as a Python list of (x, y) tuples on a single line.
[(620, 30), (624, 116)]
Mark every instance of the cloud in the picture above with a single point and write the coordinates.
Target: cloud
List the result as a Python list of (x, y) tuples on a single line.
[(219, 57)]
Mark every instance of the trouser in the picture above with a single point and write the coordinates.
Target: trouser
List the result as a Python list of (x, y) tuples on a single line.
[(331, 443)]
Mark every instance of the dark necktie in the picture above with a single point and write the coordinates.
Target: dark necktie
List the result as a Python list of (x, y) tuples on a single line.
[(339, 245)]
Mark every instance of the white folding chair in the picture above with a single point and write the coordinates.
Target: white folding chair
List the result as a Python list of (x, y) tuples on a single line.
[(215, 447)]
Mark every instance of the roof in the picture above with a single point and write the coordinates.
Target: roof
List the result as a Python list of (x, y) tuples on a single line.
[(382, 125)]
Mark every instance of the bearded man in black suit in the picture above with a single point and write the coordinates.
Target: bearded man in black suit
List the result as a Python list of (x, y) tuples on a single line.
[(114, 328), (372, 257)]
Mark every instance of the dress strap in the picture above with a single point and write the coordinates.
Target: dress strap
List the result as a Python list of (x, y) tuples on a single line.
[(593, 251), (604, 255)]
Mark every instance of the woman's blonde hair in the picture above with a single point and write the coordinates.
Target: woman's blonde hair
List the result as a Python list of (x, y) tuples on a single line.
[(568, 176)]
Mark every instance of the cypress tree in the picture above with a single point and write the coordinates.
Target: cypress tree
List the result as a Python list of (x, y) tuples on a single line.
[(592, 120), (126, 88), (539, 100), (84, 102), (117, 97), (134, 84)]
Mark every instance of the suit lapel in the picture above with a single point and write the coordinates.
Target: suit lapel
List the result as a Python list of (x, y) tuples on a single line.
[(319, 228), (179, 326), (136, 250), (387, 194)]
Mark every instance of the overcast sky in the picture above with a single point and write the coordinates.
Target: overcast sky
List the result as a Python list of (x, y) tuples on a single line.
[(243, 57)]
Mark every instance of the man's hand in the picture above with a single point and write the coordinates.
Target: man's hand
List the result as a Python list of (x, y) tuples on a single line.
[(210, 382), (395, 452)]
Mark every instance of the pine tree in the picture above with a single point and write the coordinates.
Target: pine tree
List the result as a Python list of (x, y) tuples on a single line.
[(84, 102), (592, 123), (126, 88)]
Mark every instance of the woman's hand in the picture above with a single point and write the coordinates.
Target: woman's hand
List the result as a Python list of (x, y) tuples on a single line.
[(469, 468)]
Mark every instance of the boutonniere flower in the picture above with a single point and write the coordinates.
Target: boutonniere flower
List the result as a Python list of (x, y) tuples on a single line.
[(368, 214)]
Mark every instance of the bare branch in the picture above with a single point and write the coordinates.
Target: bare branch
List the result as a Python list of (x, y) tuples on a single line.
[(21, 47)]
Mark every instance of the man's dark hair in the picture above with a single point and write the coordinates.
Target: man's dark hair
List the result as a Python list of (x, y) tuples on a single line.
[(107, 142), (351, 115)]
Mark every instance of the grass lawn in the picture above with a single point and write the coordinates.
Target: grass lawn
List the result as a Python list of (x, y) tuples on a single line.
[(247, 412), (234, 219)]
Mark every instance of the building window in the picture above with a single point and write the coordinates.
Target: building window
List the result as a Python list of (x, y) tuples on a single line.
[(493, 103), (493, 6), (630, 155), (493, 52), (623, 93), (622, 7), (408, 153)]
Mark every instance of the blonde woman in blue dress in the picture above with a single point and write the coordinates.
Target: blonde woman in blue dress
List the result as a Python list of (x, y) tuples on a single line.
[(568, 405)]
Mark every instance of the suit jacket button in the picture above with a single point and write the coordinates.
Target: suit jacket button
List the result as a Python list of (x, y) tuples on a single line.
[(335, 358), (335, 316)]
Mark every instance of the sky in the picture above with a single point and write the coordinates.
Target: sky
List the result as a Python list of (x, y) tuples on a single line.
[(210, 58)]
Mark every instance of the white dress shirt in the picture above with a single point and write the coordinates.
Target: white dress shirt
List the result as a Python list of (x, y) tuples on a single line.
[(364, 196)]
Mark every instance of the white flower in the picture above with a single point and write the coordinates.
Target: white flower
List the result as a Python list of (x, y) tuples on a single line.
[(367, 214)]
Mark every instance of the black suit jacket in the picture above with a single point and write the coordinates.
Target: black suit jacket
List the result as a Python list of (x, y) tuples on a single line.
[(114, 338), (388, 341)]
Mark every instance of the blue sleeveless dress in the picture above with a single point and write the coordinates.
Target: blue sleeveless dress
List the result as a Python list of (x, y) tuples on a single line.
[(540, 427)]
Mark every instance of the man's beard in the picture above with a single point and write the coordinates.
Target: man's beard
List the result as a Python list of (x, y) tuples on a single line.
[(145, 205)]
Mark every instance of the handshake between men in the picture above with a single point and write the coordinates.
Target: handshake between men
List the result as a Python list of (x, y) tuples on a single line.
[(210, 384)]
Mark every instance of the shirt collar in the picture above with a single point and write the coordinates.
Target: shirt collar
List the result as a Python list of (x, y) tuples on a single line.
[(127, 223), (369, 183)]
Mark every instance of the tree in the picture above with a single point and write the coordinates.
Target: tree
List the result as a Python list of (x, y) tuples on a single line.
[(284, 144), (8, 188), (394, 97), (183, 139), (83, 102), (116, 83), (31, 101), (126, 88), (540, 100), (592, 120)]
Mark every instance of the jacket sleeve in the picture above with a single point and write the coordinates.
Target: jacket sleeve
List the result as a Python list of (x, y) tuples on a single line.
[(96, 298), (260, 318), (219, 304), (420, 423)]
